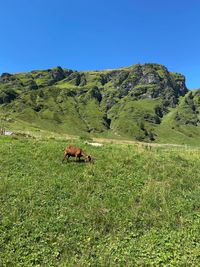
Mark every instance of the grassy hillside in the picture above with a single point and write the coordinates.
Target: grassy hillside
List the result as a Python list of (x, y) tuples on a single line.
[(133, 206), (140, 102), (181, 124)]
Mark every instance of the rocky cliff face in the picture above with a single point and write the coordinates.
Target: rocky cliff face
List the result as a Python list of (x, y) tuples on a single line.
[(131, 101), (148, 81), (142, 81)]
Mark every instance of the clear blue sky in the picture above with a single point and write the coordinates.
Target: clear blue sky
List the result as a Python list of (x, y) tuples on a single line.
[(99, 34)]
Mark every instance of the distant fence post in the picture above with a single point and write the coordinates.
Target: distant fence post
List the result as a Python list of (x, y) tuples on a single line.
[(185, 147), (2, 124)]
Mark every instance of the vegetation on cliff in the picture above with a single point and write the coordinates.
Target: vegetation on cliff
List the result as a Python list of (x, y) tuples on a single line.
[(140, 102)]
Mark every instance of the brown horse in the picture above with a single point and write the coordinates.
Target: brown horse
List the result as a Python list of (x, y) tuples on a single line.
[(77, 152)]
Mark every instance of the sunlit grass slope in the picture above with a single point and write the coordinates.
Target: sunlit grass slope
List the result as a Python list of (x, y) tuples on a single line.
[(140, 102), (131, 207)]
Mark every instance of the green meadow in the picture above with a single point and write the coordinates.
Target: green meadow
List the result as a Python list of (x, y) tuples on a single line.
[(133, 206)]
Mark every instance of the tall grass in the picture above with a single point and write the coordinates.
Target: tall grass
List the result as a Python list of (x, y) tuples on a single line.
[(133, 206)]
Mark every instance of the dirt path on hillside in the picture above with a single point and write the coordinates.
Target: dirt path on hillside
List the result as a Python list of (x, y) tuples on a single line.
[(142, 144), (110, 140)]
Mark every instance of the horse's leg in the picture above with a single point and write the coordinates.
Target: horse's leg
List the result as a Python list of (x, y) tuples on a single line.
[(66, 156)]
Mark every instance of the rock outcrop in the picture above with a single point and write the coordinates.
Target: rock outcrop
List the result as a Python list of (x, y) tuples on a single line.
[(130, 101)]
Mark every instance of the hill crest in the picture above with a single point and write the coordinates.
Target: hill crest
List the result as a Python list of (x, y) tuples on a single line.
[(135, 102)]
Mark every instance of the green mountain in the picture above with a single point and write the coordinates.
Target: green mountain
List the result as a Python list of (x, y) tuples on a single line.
[(142, 102)]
